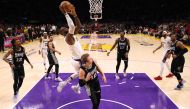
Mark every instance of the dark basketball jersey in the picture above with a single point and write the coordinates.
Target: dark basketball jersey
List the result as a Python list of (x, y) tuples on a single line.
[(51, 52), (176, 50), (93, 85), (92, 70), (122, 45), (18, 57), (51, 55)]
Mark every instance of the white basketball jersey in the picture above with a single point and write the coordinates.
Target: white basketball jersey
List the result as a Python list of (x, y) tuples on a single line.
[(76, 49), (44, 43), (166, 43)]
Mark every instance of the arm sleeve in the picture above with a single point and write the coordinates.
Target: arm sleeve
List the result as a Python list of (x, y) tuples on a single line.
[(70, 24)]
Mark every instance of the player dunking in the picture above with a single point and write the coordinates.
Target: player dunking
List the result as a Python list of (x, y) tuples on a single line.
[(123, 48), (73, 44), (17, 65), (166, 44), (43, 48)]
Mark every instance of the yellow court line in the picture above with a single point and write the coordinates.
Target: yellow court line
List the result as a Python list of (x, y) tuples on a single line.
[(115, 35)]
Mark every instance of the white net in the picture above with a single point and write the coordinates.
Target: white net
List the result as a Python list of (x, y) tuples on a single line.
[(95, 8)]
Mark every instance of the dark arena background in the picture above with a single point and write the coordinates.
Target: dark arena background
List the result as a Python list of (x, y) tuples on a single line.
[(149, 40)]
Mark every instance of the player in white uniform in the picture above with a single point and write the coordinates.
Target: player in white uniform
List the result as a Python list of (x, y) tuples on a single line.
[(74, 46), (43, 48), (93, 37), (166, 44)]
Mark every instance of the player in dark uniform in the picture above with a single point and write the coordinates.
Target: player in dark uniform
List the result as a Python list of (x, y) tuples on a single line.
[(123, 48), (17, 64), (178, 50), (53, 59), (88, 77)]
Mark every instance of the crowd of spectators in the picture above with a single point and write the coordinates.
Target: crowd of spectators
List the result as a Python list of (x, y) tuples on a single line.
[(31, 32), (181, 29)]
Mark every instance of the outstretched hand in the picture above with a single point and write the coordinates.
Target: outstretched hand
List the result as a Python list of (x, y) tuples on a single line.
[(73, 11), (62, 10), (104, 79)]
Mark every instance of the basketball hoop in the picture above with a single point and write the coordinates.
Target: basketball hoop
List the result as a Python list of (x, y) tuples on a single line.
[(95, 9)]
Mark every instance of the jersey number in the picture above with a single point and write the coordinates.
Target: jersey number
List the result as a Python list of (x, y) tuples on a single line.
[(19, 60)]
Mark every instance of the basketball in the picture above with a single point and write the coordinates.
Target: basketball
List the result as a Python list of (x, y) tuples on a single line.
[(66, 6)]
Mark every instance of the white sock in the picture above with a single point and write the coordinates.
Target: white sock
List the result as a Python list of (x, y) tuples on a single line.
[(162, 68), (73, 76), (168, 67)]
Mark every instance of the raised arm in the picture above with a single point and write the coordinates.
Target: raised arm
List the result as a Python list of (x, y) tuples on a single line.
[(76, 19), (69, 36)]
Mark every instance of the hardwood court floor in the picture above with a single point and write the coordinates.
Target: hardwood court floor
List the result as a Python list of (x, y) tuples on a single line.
[(141, 60)]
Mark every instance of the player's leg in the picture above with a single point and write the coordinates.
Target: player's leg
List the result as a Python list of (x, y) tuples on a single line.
[(76, 65), (16, 78), (57, 78), (44, 56), (95, 95), (48, 71), (95, 99), (56, 63), (125, 67), (177, 68), (21, 77), (174, 71), (169, 70), (90, 46), (118, 65), (68, 80), (159, 77), (161, 68)]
